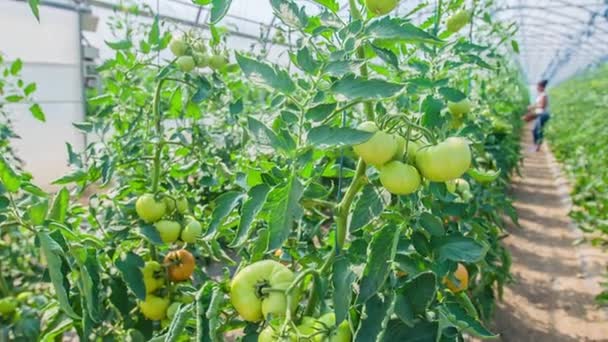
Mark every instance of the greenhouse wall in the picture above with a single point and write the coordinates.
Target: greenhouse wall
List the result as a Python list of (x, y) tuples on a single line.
[(51, 58)]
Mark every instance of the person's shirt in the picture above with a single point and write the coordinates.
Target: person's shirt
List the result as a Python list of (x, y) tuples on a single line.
[(539, 103)]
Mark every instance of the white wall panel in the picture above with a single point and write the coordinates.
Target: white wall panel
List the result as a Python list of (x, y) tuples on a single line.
[(50, 51)]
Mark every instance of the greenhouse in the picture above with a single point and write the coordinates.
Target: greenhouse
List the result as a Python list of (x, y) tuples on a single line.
[(303, 170)]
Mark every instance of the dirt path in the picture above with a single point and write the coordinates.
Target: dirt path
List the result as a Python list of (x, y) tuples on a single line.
[(555, 280)]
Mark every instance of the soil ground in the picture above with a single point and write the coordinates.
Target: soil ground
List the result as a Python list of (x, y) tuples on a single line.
[(556, 278)]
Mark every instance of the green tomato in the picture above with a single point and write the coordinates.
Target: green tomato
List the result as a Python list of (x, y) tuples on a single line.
[(458, 21), (172, 310), (399, 178), (412, 150), (466, 196), (182, 205), (149, 209), (381, 7), (462, 185), (178, 46), (154, 276), (246, 295), (199, 47), (186, 63), (201, 59), (217, 62), (445, 161), (451, 186), (332, 333), (8, 305), (154, 307), (401, 142), (379, 149), (459, 108), (24, 296), (192, 230), (271, 334), (168, 230)]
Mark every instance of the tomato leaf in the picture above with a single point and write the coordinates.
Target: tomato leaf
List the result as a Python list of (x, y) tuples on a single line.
[(265, 136), (225, 203), (37, 212), (283, 208), (399, 29), (320, 112), (375, 312), (368, 207), (256, 197), (9, 178), (331, 5), (414, 297), (459, 318), (423, 330), (60, 206), (431, 224), (179, 323), (342, 279), (218, 10), (289, 13), (380, 255), (34, 7), (452, 94), (130, 269), (341, 68), (120, 45), (387, 56), (458, 248), (353, 87), (306, 61), (265, 74), (37, 112), (53, 253), (326, 136)]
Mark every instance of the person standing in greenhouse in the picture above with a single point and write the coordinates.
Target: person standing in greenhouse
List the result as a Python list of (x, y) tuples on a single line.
[(540, 112)]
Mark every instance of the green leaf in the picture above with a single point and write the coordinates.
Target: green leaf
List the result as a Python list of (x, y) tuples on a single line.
[(256, 197), (151, 233), (203, 90), (120, 45), (341, 68), (452, 94), (431, 224), (375, 312), (326, 136), (33, 189), (368, 207), (130, 269), (414, 297), (387, 56), (306, 62), (85, 127), (342, 279), (53, 253), (14, 98), (422, 331), (352, 87), (179, 323), (16, 66), (29, 89), (331, 5), (399, 29), (320, 112), (458, 248), (515, 46), (37, 112), (73, 177), (459, 318), (219, 10), (289, 13), (265, 136), (34, 7), (283, 209), (225, 203), (380, 255), (432, 112), (9, 178), (421, 244), (100, 99), (37, 212), (154, 34), (266, 75)]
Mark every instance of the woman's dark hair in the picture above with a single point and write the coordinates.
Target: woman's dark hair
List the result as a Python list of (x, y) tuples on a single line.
[(543, 83)]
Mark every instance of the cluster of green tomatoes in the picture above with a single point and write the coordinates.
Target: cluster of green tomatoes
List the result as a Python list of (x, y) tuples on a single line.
[(166, 212), (261, 291), (192, 52)]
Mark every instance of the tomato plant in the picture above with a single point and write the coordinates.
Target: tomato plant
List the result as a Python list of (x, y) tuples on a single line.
[(232, 196)]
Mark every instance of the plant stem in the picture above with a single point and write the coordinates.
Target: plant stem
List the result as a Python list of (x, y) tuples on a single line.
[(158, 148), (356, 15), (344, 207)]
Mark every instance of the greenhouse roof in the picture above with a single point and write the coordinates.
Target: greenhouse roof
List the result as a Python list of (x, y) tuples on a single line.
[(557, 38)]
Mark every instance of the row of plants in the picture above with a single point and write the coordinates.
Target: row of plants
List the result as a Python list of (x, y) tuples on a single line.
[(578, 102), (356, 193)]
